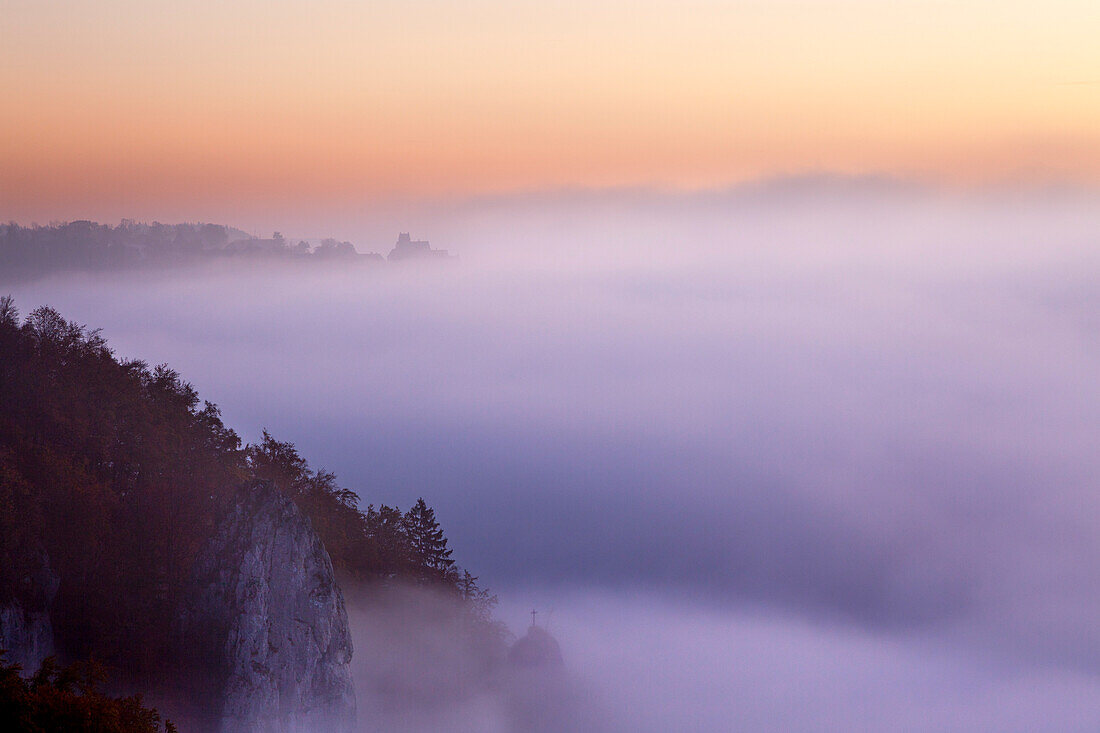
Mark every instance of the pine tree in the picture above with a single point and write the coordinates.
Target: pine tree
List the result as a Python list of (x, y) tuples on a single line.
[(386, 542), (427, 545)]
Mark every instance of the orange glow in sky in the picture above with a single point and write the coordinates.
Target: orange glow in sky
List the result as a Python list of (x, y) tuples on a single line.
[(128, 100)]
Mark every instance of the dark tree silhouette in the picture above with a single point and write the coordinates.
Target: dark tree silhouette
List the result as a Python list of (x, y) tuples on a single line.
[(67, 700), (28, 252), (427, 545), (388, 544)]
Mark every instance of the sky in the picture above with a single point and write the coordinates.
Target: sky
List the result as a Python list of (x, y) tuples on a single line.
[(126, 108)]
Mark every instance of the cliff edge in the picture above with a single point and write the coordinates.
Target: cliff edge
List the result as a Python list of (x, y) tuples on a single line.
[(26, 634), (268, 614)]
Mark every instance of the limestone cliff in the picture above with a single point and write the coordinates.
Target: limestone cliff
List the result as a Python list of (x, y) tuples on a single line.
[(267, 609), (25, 629)]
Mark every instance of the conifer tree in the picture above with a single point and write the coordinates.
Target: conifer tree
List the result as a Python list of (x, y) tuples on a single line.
[(387, 545), (427, 545)]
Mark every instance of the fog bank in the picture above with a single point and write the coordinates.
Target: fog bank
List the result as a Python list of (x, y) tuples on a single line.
[(776, 460)]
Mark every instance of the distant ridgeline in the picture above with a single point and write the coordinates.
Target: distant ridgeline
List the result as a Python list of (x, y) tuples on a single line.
[(87, 246), (116, 480)]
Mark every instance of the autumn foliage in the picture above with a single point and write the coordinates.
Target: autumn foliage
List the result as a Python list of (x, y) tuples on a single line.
[(115, 473)]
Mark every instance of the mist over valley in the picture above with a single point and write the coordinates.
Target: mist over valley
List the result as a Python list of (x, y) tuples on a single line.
[(807, 456)]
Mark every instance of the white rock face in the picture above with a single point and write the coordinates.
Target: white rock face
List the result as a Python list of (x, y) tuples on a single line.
[(25, 631), (266, 595), (26, 635)]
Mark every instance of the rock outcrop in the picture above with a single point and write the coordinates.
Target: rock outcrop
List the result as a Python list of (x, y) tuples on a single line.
[(26, 633), (541, 696), (537, 649), (268, 612)]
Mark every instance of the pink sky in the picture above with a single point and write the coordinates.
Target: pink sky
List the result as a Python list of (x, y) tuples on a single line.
[(127, 105)]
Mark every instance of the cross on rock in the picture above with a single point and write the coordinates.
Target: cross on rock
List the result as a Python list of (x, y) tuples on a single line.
[(533, 614)]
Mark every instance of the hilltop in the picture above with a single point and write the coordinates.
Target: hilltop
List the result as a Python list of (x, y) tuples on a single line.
[(28, 252)]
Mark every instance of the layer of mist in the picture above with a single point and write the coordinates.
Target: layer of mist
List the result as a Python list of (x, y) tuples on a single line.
[(779, 460)]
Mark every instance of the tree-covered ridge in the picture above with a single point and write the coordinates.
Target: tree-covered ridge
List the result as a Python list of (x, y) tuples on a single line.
[(28, 251), (379, 544), (116, 473)]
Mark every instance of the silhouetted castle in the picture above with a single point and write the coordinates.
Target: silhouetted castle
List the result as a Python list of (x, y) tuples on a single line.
[(414, 249)]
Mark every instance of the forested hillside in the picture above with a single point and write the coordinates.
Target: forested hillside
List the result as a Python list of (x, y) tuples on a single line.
[(86, 246), (67, 700), (115, 472)]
